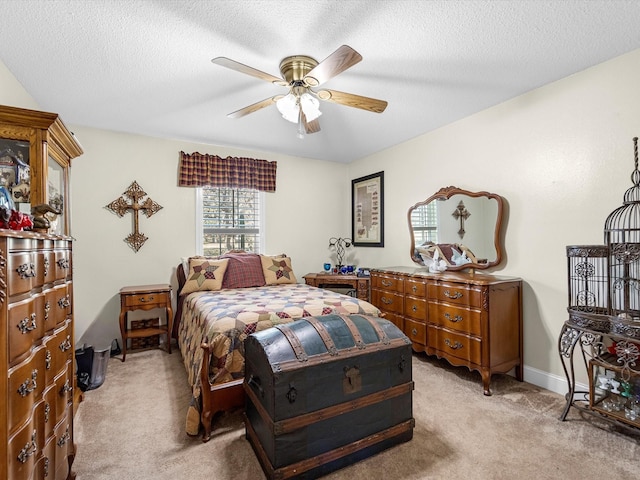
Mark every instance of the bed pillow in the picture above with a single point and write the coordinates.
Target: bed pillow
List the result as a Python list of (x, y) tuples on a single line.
[(204, 274), (277, 269), (243, 270)]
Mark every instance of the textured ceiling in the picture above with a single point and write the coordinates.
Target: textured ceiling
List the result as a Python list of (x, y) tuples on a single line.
[(144, 66)]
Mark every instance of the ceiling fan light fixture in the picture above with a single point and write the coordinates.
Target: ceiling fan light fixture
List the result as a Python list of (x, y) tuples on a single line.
[(310, 106), (288, 107)]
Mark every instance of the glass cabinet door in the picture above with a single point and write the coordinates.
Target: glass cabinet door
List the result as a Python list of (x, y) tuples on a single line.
[(15, 175), (56, 184)]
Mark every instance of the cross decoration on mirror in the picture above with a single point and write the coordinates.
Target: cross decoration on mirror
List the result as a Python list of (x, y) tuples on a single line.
[(120, 206), (461, 213)]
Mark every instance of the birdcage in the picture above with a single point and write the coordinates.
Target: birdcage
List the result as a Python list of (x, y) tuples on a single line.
[(588, 283), (622, 236)]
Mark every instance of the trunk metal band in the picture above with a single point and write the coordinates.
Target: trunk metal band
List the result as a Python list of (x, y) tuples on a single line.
[(324, 335), (354, 331), (293, 340)]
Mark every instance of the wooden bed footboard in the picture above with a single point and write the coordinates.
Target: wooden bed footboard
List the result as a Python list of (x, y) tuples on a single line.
[(216, 398)]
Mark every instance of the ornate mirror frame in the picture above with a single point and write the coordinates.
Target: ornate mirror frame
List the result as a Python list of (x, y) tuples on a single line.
[(459, 214)]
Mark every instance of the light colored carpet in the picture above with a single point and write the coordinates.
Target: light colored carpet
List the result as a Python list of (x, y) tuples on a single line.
[(132, 427)]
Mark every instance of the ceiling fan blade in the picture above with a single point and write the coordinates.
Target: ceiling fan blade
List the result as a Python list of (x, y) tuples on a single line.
[(351, 100), (255, 107), (240, 67), (343, 58), (310, 127)]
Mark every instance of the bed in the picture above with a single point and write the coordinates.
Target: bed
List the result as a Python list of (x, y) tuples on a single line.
[(224, 299)]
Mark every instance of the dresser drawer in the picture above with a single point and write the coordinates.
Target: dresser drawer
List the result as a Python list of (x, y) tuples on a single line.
[(45, 268), (57, 306), (453, 344), (63, 442), (21, 272), (25, 327), (59, 351), (24, 448), (26, 384), (387, 301), (50, 396), (62, 264), (415, 288), (416, 331), (148, 299), (415, 308), (455, 318), (456, 293), (390, 283), (64, 394)]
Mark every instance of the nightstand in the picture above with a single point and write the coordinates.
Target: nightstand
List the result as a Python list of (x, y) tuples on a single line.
[(327, 280), (145, 297)]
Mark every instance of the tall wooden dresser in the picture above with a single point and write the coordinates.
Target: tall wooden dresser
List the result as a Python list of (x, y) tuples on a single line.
[(472, 320), (36, 300)]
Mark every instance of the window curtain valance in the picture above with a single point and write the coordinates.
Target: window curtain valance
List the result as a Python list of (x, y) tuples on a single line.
[(198, 170)]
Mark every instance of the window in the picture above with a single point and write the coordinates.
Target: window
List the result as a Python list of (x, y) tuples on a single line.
[(425, 223), (231, 218)]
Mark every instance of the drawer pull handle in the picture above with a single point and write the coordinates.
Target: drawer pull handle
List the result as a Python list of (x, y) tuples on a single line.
[(63, 263), (64, 438), (144, 299), (414, 332), (29, 449), (64, 302), (27, 324), (47, 309), (414, 308), (386, 301), (454, 295), (454, 319), (47, 411), (415, 289), (29, 385), (46, 466), (26, 270), (456, 345), (46, 266), (66, 388), (386, 283), (66, 345), (47, 360)]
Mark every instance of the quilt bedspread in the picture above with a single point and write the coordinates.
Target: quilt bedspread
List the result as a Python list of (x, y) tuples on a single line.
[(224, 318)]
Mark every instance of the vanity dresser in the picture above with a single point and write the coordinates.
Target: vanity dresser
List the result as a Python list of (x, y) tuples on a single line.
[(36, 300), (450, 310)]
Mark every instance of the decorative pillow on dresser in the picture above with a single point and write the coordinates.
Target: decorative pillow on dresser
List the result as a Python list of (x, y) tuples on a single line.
[(277, 269), (205, 273)]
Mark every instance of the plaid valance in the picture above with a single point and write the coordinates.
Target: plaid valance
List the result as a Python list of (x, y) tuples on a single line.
[(198, 170)]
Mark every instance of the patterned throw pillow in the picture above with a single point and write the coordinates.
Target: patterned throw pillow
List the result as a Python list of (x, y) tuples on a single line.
[(277, 270), (204, 274), (244, 270)]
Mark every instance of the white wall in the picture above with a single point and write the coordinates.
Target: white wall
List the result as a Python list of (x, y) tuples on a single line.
[(300, 218), (561, 156)]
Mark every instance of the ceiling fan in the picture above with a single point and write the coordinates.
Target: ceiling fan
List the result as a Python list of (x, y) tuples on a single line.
[(301, 74)]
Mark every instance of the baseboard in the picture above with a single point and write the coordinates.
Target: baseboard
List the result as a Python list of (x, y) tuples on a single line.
[(549, 381)]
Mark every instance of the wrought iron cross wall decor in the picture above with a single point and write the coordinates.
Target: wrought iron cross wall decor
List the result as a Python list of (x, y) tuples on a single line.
[(120, 206), (461, 214)]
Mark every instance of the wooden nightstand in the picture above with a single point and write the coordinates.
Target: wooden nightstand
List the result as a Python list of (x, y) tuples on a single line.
[(328, 280), (145, 297)]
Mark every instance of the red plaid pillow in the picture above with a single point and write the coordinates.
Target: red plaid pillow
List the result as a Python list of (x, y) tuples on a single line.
[(244, 270)]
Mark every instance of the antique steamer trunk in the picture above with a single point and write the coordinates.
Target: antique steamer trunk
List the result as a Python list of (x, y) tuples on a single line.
[(324, 392)]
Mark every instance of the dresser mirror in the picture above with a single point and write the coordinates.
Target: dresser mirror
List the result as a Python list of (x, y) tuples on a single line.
[(455, 229)]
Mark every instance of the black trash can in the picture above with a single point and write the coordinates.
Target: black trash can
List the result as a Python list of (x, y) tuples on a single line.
[(91, 366)]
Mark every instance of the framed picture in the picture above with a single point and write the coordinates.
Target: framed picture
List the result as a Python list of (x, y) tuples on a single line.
[(367, 211)]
